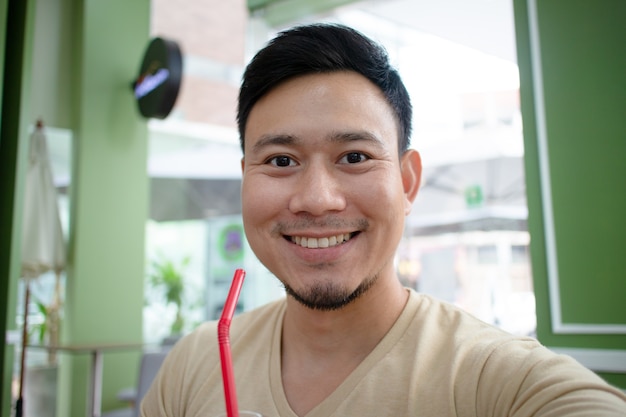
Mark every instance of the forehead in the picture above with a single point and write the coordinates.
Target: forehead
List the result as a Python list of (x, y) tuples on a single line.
[(315, 104)]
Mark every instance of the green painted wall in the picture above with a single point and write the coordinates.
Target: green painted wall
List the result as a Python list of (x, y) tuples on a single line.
[(109, 193), (84, 56), (581, 53), (13, 138), (52, 78), (6, 355)]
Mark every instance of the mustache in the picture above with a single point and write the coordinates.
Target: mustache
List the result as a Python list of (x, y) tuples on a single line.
[(331, 222)]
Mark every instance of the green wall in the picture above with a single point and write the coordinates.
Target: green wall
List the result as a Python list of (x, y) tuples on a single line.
[(5, 224), (110, 192), (84, 55), (573, 90), (18, 17)]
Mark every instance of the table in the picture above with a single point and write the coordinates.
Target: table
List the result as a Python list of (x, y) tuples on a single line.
[(94, 400)]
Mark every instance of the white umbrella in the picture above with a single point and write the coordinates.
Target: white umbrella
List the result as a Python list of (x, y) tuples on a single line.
[(43, 244)]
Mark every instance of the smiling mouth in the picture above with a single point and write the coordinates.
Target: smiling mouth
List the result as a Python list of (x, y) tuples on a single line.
[(322, 242)]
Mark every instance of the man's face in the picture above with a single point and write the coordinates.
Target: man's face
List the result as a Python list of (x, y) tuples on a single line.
[(324, 191)]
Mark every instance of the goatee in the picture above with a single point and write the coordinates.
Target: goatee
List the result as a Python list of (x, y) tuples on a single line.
[(328, 296)]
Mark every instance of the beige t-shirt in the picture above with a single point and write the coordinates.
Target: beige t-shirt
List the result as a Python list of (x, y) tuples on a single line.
[(436, 361)]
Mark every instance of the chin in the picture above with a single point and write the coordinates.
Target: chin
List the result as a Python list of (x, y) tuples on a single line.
[(329, 297)]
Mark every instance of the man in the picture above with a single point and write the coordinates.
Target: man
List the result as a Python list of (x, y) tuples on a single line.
[(328, 178)]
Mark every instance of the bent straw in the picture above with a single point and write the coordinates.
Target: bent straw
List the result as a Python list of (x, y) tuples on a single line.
[(223, 337)]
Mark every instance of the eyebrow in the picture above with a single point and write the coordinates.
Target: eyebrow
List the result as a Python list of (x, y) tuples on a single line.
[(278, 139), (354, 136), (335, 137)]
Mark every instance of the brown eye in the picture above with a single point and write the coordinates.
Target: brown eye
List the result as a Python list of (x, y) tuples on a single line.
[(354, 157), (281, 161)]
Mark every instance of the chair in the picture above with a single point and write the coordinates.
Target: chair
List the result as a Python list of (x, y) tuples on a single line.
[(148, 368)]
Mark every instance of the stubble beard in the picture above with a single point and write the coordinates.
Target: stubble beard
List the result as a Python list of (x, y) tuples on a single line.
[(329, 296)]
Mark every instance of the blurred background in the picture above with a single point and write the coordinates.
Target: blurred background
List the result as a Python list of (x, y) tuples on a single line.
[(466, 240), (150, 208)]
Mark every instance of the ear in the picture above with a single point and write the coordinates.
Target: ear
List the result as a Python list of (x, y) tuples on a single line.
[(243, 163), (411, 171)]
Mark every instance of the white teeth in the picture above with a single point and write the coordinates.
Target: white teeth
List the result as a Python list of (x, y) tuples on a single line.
[(324, 242)]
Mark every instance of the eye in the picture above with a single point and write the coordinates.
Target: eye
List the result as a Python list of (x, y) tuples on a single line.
[(354, 158), (281, 161)]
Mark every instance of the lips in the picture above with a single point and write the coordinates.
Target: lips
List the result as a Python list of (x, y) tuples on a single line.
[(322, 242)]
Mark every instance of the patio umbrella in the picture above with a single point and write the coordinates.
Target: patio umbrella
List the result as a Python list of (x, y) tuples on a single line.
[(43, 244)]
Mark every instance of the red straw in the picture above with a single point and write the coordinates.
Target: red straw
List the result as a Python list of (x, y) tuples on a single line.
[(223, 337)]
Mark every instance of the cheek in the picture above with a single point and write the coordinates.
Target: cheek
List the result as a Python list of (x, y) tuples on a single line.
[(260, 205), (390, 210), (383, 198), (260, 202), (253, 209), (251, 203)]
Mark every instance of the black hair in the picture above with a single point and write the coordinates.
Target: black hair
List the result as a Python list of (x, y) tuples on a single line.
[(323, 48)]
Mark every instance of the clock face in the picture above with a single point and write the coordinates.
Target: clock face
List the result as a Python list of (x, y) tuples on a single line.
[(158, 83)]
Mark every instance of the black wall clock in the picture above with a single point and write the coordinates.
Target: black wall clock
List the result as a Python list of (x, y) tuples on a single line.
[(157, 85)]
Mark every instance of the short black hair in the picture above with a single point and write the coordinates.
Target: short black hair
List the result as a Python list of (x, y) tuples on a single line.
[(323, 48)]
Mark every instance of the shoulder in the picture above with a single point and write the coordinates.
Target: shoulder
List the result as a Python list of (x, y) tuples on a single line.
[(470, 339), (500, 371), (204, 337), (192, 365), (446, 320), (259, 317)]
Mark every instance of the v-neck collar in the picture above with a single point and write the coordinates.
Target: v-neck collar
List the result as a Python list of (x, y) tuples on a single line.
[(330, 404)]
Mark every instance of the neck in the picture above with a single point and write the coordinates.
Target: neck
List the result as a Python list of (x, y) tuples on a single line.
[(320, 349), (353, 329)]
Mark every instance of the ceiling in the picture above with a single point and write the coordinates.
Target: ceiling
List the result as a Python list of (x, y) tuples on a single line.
[(485, 25)]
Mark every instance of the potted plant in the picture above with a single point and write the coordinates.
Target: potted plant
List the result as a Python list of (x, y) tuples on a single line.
[(48, 330), (41, 379), (169, 277)]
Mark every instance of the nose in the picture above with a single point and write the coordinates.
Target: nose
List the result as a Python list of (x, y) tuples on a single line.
[(317, 191)]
